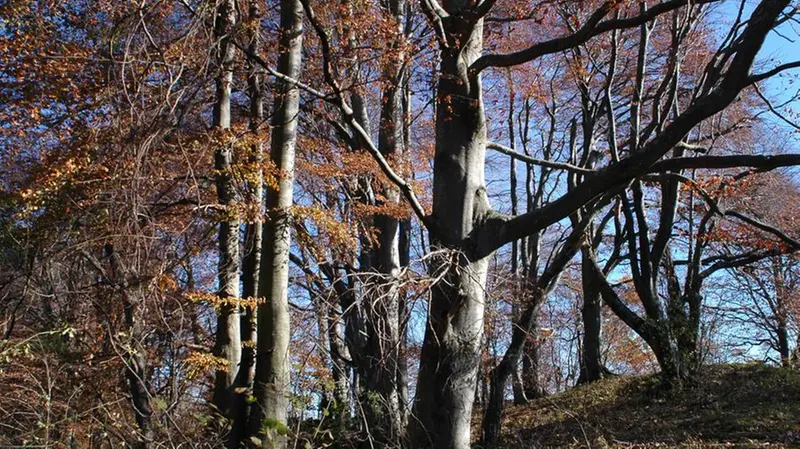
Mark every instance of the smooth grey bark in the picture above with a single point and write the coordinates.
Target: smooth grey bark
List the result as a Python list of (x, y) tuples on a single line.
[(462, 223), (382, 301), (451, 347), (268, 418), (228, 340), (251, 260)]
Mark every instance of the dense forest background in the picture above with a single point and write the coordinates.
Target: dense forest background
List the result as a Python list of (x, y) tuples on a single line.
[(378, 223)]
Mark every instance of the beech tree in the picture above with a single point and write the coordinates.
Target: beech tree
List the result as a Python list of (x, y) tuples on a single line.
[(151, 248), (461, 218), (228, 340), (268, 419)]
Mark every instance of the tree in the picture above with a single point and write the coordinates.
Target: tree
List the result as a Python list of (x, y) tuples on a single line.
[(762, 291), (228, 344), (121, 261), (268, 418), (251, 259), (461, 218)]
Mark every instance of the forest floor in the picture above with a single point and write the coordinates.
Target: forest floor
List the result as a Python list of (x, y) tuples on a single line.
[(729, 406)]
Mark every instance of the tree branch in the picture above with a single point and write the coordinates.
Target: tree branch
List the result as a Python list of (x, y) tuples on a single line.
[(637, 164), (540, 162), (754, 161), (593, 27)]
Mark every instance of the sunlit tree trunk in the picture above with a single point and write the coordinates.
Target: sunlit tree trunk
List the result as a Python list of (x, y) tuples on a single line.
[(228, 339), (253, 236), (451, 348), (382, 302), (271, 387)]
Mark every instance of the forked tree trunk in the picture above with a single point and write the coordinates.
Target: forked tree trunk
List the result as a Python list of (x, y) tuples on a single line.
[(268, 420), (461, 219), (228, 340), (451, 348)]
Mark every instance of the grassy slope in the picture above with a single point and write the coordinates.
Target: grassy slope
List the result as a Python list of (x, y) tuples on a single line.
[(730, 406)]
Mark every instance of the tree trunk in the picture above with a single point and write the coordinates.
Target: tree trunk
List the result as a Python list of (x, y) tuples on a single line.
[(228, 339), (518, 387), (591, 363), (516, 378), (268, 421), (525, 326), (403, 314), (500, 374), (782, 306), (340, 356), (253, 236), (382, 305), (136, 363), (451, 347), (531, 376), (783, 342)]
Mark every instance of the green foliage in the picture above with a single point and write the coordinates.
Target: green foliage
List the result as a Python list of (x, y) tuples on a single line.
[(273, 425)]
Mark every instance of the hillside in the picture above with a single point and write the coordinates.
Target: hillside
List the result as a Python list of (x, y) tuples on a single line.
[(741, 406)]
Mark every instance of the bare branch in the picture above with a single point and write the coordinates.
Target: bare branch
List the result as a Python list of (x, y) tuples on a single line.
[(593, 27), (540, 162)]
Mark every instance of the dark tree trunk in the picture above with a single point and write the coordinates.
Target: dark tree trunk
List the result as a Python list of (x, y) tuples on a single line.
[(591, 312), (531, 372), (340, 358), (783, 342), (136, 364), (403, 314)]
